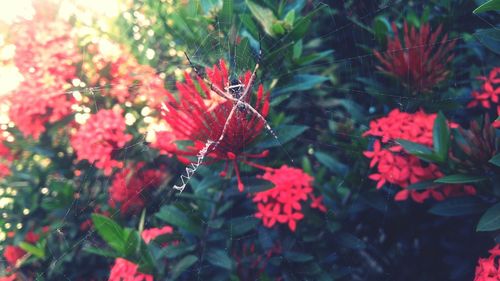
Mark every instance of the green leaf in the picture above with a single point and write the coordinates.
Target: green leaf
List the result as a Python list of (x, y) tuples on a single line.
[(285, 134), (297, 257), (176, 217), (101, 252), (441, 137), (331, 163), (297, 50), (264, 16), (349, 241), (219, 258), (495, 160), (32, 249), (173, 251), (490, 220), (458, 206), (242, 225), (183, 265), (290, 17), (132, 244), (226, 13), (249, 24), (301, 82), (110, 231), (489, 38), (421, 151), (490, 5), (459, 178), (381, 28), (423, 185)]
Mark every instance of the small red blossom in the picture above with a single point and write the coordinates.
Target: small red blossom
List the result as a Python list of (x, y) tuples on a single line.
[(396, 167), (129, 185), (12, 254), (489, 95), (419, 59), (488, 269), (317, 203), (124, 270), (100, 138), (200, 116), (6, 158), (9, 278), (150, 234), (283, 202), (31, 237)]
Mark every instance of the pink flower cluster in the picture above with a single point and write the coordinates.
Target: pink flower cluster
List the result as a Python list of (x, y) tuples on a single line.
[(489, 96), (6, 158), (150, 234), (100, 138), (399, 168), (124, 270), (283, 203), (488, 269), (129, 185), (46, 55)]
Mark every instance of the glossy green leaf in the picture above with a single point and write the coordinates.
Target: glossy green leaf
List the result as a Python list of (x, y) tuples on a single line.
[(183, 265), (489, 38), (331, 163), (226, 13), (441, 137), (101, 252), (220, 258), (421, 151), (263, 15), (490, 5), (241, 225), (423, 185), (110, 231), (297, 257), (490, 220), (458, 206), (301, 82), (36, 251), (176, 217), (285, 133), (495, 160), (459, 178), (381, 28)]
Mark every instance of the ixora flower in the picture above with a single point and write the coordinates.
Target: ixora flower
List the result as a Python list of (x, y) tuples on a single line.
[(130, 184), (283, 203), (12, 254), (124, 270), (396, 167), (199, 115), (488, 269), (489, 95), (420, 62), (98, 140), (150, 234), (46, 55)]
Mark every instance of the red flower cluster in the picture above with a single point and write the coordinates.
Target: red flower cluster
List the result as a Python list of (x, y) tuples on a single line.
[(128, 186), (6, 158), (200, 116), (123, 270), (12, 254), (9, 278), (419, 63), (283, 203), (489, 94), (488, 269), (97, 140), (396, 167), (150, 234), (46, 55), (199, 119)]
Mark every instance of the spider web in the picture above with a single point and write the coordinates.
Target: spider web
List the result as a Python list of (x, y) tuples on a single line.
[(342, 92)]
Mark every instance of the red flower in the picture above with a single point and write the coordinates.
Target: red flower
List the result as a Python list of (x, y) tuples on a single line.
[(6, 158), (152, 233), (396, 167), (31, 237), (9, 278), (12, 254), (200, 116), (123, 270), (419, 63), (98, 139), (317, 203), (130, 183), (283, 202), (46, 55), (490, 93), (488, 269)]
